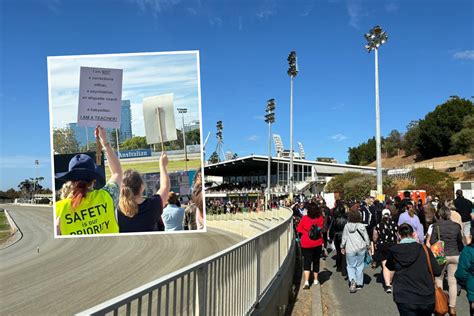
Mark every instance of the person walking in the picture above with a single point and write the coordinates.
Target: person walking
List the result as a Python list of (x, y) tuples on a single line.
[(450, 233), (85, 210), (338, 221), (355, 242), (139, 213), (413, 287), (465, 273), (464, 207), (385, 236), (411, 218), (311, 246)]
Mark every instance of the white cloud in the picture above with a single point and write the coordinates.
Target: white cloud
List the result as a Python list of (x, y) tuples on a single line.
[(157, 6), (391, 7), (252, 138), (467, 54), (266, 13), (356, 13), (192, 11), (339, 137), (307, 10), (215, 21)]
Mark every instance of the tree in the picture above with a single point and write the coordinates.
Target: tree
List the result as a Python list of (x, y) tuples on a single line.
[(392, 143), (214, 158), (363, 154), (410, 138), (136, 142), (463, 141), (64, 141), (437, 128)]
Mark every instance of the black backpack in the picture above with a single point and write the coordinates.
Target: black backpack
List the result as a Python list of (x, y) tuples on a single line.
[(314, 233)]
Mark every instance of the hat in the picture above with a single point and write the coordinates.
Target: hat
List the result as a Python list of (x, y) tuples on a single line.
[(81, 167), (386, 212)]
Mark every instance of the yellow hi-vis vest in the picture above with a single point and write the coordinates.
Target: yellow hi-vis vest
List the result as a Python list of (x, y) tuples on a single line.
[(94, 215)]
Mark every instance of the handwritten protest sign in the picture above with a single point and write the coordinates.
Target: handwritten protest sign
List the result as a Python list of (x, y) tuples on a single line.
[(158, 115), (100, 97)]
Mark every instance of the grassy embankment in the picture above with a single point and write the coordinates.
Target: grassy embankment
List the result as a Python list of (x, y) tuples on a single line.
[(4, 227), (152, 166)]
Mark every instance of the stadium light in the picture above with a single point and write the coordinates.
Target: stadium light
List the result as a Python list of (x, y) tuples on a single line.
[(292, 72), (183, 111), (269, 119), (375, 38)]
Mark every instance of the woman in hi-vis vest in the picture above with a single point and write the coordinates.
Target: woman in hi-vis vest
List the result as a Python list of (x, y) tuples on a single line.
[(84, 210)]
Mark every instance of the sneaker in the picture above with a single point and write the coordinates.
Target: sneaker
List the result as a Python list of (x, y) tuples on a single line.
[(388, 289), (359, 287), (352, 287), (306, 286), (316, 282)]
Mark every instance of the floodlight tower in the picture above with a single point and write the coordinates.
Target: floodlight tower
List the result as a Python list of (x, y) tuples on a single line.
[(220, 141), (375, 38), (269, 119), (184, 111), (292, 72)]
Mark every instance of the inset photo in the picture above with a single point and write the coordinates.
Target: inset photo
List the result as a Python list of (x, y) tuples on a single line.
[(126, 143)]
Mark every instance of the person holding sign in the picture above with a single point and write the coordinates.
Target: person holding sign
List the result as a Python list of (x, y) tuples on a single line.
[(137, 213), (86, 211)]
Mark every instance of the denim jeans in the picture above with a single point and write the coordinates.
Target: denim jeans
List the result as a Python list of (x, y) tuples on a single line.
[(355, 266)]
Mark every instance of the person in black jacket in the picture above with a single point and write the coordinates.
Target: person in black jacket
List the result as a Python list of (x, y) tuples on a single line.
[(336, 227), (413, 288), (464, 208)]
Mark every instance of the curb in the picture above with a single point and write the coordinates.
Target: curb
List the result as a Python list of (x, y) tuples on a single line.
[(16, 236), (11, 222)]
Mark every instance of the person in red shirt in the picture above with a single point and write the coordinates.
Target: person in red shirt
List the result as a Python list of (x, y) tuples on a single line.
[(311, 248)]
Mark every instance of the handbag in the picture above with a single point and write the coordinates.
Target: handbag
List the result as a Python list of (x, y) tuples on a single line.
[(438, 250), (367, 259), (441, 299)]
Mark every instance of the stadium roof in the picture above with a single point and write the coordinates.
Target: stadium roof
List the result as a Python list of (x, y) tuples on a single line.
[(257, 165)]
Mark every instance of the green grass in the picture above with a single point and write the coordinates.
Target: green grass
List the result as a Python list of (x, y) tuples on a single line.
[(152, 166), (4, 227)]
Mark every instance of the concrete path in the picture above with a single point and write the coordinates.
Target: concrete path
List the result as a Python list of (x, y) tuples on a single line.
[(71, 275), (370, 301)]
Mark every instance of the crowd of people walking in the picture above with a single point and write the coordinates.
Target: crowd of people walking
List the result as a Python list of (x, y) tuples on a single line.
[(417, 245)]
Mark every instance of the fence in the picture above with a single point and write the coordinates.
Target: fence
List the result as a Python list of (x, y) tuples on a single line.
[(231, 282)]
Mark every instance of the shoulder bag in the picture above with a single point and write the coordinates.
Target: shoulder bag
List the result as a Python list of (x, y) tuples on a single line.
[(441, 299), (438, 249)]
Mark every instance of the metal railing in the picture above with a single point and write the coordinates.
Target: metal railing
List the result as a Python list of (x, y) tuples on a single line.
[(231, 282)]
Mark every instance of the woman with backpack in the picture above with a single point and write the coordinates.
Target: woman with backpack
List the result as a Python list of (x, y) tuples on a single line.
[(385, 236), (449, 232), (355, 242), (336, 227), (310, 228)]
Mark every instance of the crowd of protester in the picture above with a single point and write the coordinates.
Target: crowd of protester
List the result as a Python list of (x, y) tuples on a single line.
[(417, 245)]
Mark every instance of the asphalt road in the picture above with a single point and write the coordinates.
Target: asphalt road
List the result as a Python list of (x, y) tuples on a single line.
[(370, 301), (71, 275)]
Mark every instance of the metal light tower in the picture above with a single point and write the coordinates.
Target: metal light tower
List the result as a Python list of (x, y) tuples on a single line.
[(34, 180), (375, 38), (220, 142), (269, 119), (292, 72), (184, 111)]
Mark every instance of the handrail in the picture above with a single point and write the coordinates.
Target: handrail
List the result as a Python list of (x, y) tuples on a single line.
[(230, 282)]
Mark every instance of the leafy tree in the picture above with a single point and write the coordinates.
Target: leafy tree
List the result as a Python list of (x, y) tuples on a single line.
[(359, 188), (136, 142), (64, 141), (392, 143), (10, 193), (363, 154), (463, 141), (30, 186), (410, 138), (214, 158), (437, 128)]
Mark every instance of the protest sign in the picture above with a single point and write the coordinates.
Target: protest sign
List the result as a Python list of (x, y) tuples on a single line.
[(100, 97), (158, 115)]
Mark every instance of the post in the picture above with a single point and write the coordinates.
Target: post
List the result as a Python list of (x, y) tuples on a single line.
[(157, 111), (117, 139), (290, 172), (269, 165), (377, 126), (201, 290), (184, 142), (87, 139)]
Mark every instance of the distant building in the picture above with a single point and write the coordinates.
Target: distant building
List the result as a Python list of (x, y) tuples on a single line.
[(192, 125), (80, 134), (126, 121)]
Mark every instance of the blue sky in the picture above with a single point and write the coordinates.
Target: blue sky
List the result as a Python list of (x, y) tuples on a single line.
[(243, 49)]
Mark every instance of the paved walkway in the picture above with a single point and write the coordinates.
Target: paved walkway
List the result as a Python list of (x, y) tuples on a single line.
[(371, 300)]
